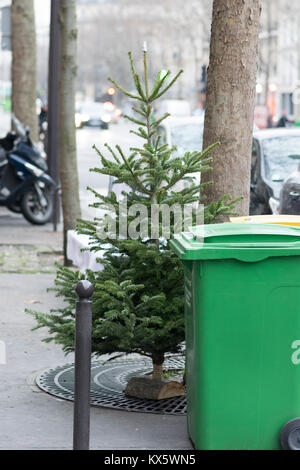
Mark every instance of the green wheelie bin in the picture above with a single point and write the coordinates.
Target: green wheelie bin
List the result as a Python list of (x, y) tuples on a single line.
[(242, 317)]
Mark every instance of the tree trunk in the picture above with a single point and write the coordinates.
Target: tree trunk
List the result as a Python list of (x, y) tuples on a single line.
[(153, 389), (67, 131), (269, 51), (157, 361), (24, 82), (157, 371), (231, 98)]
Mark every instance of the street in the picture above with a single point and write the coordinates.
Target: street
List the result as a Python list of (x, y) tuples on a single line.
[(88, 158)]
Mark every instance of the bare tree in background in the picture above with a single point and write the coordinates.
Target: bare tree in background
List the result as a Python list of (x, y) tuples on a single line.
[(67, 131), (171, 31), (24, 84), (231, 97), (268, 44)]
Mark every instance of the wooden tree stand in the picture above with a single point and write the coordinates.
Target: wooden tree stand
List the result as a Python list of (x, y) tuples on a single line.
[(153, 389)]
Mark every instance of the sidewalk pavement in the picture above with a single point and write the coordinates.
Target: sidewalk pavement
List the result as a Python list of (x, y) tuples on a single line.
[(29, 418), (25, 248)]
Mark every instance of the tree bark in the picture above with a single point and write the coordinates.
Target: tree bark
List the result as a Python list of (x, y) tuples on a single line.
[(231, 98), (67, 131), (153, 389), (24, 81), (157, 361), (157, 371)]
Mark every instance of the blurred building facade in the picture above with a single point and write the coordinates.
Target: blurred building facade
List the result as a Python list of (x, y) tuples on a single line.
[(177, 36), (5, 56), (279, 59)]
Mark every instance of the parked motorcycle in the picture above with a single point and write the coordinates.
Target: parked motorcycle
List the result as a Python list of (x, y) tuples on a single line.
[(25, 186)]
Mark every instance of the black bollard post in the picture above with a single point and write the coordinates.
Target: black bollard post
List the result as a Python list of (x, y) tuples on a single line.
[(81, 429)]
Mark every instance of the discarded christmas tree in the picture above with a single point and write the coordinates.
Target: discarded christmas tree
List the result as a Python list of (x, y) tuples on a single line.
[(138, 302)]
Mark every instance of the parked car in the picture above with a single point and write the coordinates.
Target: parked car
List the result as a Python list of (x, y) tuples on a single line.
[(92, 114), (176, 108), (113, 111), (186, 134), (275, 156)]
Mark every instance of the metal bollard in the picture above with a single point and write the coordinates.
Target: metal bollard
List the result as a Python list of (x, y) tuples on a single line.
[(81, 429)]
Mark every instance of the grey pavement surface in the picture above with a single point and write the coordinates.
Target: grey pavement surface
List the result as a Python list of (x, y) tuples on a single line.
[(25, 248), (29, 418)]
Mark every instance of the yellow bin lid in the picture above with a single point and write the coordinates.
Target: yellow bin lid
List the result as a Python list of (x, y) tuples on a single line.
[(292, 220)]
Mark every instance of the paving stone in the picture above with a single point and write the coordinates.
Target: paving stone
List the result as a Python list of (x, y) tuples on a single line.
[(28, 259)]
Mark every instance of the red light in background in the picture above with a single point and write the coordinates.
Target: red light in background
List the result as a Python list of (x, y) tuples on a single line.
[(109, 106), (111, 91), (118, 113)]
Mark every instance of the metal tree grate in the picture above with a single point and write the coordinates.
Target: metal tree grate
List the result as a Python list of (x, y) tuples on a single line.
[(108, 380)]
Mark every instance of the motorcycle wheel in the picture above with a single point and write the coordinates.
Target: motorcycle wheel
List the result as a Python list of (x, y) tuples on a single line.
[(32, 209)]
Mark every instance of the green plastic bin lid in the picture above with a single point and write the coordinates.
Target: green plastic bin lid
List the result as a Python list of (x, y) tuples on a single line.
[(245, 242)]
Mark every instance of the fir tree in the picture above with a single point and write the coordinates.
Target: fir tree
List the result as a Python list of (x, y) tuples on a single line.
[(138, 302)]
